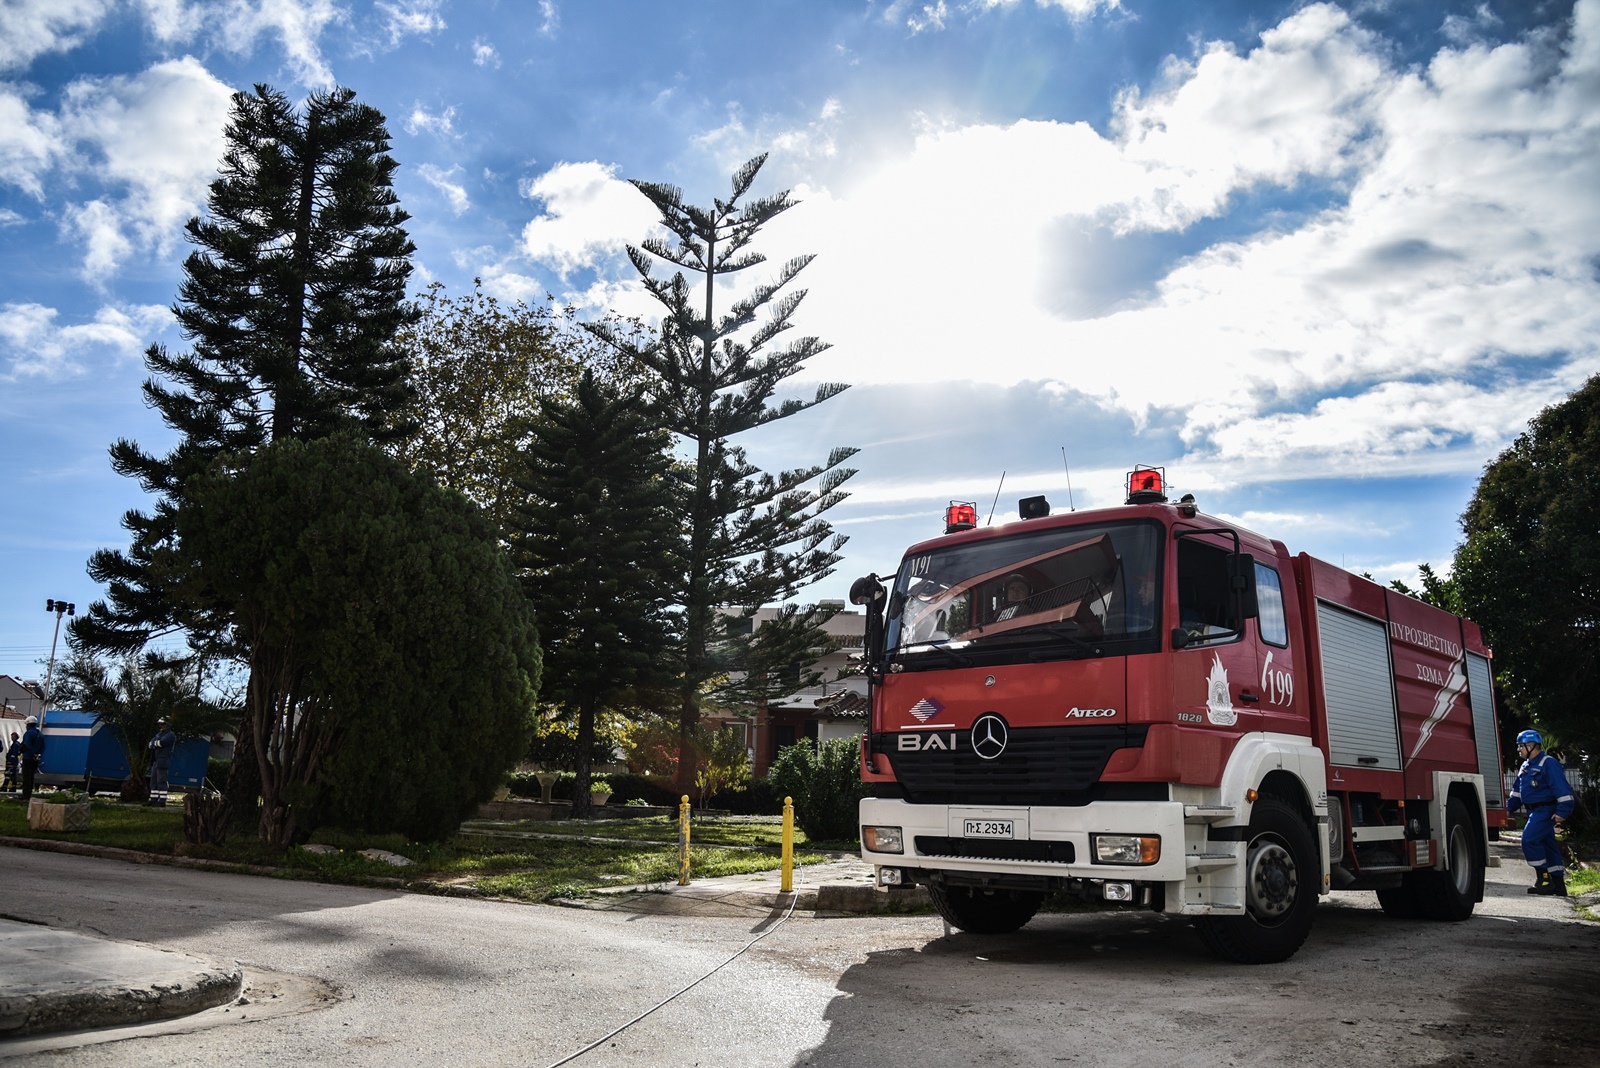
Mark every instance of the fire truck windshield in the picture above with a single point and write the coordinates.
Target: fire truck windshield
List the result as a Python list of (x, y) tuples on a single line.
[(1062, 591)]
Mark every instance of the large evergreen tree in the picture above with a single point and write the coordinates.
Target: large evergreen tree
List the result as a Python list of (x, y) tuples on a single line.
[(750, 537), (393, 657), (596, 546), (1529, 569), (290, 300)]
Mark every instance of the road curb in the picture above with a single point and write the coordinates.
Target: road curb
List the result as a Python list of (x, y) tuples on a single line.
[(134, 856), (61, 981)]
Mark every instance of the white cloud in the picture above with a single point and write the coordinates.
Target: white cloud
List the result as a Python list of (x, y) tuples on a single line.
[(928, 17), (30, 142), (298, 25), (405, 18), (172, 20), (1294, 108), (552, 17), (1468, 29), (422, 121), (733, 143), (99, 227), (38, 347), (453, 191), (1077, 9), (589, 214), (1454, 251), (32, 28), (157, 135), (484, 54), (10, 218)]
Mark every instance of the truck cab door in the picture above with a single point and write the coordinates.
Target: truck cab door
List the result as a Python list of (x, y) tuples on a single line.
[(1215, 661)]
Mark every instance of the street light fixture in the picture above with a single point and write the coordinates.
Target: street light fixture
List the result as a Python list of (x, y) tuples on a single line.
[(60, 608)]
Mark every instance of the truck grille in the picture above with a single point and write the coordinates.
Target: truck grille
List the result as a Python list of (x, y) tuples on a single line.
[(1040, 766), (984, 849)]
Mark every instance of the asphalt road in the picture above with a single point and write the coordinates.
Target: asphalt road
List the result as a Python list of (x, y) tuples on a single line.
[(367, 977)]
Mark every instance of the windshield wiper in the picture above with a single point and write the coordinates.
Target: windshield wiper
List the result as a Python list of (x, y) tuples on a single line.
[(1064, 629), (942, 650)]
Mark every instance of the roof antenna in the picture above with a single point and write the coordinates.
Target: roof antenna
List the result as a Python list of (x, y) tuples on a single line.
[(1070, 506), (996, 501)]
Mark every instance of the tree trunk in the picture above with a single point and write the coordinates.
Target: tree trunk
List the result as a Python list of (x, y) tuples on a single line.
[(582, 809), (243, 790)]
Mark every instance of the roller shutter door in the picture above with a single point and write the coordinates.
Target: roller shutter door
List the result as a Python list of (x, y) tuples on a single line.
[(1480, 692), (1358, 690)]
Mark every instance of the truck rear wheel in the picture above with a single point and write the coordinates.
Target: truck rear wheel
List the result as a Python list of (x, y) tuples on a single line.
[(1281, 876), (979, 911), (1450, 895), (1401, 901)]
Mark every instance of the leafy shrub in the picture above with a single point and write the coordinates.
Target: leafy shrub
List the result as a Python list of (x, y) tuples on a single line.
[(525, 785), (217, 772), (756, 797), (628, 788), (825, 784)]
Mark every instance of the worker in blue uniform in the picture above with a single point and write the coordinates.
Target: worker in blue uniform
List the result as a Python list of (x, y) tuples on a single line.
[(1542, 789)]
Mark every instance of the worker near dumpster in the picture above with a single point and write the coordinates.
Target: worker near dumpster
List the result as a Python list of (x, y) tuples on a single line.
[(32, 753), (13, 763), (161, 747), (1542, 789)]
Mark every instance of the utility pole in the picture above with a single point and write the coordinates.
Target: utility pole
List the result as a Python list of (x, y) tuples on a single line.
[(60, 608)]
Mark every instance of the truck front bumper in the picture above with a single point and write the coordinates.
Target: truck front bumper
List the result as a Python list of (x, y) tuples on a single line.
[(1053, 848)]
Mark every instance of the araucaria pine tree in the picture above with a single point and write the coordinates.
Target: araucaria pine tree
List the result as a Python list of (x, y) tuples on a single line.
[(750, 537), (290, 301), (595, 544)]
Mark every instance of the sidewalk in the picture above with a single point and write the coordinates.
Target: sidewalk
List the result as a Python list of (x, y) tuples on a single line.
[(54, 980), (838, 887)]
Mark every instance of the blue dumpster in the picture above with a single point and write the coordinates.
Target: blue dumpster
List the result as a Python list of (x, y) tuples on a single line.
[(78, 749)]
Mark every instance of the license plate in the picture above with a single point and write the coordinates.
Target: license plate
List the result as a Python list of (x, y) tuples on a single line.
[(986, 829)]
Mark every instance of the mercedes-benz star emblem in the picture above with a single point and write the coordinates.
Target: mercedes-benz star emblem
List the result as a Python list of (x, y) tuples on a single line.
[(989, 736)]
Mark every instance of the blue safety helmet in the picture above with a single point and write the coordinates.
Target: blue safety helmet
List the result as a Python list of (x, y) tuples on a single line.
[(1531, 736)]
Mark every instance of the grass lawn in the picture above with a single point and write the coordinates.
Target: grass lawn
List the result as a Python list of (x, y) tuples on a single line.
[(504, 865)]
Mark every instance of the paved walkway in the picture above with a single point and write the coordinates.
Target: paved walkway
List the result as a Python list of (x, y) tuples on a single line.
[(54, 980), (837, 887)]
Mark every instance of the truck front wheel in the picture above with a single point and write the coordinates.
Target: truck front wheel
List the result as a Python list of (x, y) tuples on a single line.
[(1281, 875), (979, 911)]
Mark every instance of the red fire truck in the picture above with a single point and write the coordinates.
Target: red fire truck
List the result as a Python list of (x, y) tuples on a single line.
[(1153, 707)]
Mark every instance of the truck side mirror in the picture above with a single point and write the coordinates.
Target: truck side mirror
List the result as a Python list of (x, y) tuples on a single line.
[(1242, 583)]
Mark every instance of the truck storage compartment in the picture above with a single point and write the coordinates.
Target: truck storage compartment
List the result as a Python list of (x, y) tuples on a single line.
[(1358, 690), (1480, 692)]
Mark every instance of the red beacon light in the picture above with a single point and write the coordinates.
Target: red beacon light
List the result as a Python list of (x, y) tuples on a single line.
[(961, 515), (1147, 485)]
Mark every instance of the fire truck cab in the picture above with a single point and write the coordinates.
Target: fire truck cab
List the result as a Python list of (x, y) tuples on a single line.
[(1156, 708)]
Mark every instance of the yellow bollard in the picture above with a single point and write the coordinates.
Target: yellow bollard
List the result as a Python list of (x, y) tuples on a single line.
[(683, 841), (788, 845)]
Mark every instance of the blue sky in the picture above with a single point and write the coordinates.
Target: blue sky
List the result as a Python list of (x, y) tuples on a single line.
[(1321, 261)]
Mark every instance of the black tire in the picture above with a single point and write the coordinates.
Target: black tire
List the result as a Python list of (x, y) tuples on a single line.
[(1449, 896), (978, 911), (1282, 877), (1401, 901)]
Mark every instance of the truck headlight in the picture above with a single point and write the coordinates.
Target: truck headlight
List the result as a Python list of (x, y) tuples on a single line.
[(1126, 848), (882, 839)]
